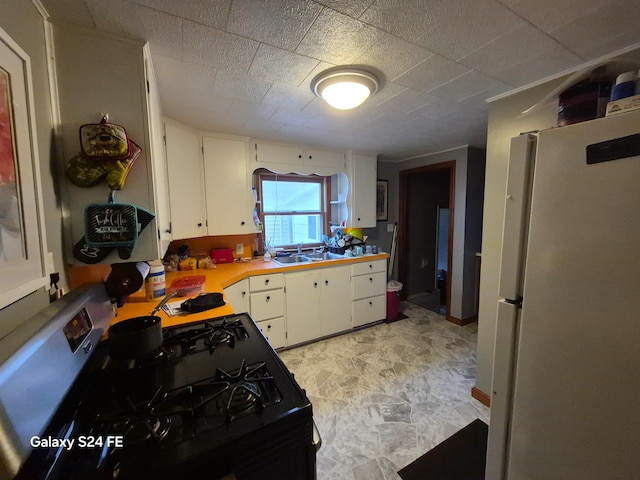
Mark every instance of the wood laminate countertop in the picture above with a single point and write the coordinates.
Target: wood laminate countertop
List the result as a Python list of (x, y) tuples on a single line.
[(222, 276)]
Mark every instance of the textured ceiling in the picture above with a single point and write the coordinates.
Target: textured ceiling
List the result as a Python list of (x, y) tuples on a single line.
[(244, 66)]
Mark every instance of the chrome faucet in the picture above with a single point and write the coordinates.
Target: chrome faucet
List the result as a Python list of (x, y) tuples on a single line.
[(299, 248)]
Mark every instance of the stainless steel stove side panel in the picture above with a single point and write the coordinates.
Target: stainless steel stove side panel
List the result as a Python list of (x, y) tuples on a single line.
[(38, 367)]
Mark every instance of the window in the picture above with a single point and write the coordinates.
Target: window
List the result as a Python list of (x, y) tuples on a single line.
[(293, 208)]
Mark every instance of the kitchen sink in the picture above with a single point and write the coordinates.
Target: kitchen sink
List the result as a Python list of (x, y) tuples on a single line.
[(307, 257), (291, 259), (323, 256)]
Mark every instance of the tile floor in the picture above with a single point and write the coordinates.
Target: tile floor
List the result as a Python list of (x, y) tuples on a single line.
[(384, 395)]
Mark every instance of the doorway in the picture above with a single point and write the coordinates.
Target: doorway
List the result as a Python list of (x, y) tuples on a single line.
[(425, 243)]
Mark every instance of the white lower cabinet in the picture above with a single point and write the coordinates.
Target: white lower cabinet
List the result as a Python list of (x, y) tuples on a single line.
[(274, 331), (368, 292), (238, 295), (302, 306), (368, 310), (318, 303), (267, 307)]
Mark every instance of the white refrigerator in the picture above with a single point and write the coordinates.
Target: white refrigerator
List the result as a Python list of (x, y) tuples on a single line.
[(565, 398)]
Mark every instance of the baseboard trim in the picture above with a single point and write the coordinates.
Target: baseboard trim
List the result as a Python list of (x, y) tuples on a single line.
[(462, 322), (482, 397)]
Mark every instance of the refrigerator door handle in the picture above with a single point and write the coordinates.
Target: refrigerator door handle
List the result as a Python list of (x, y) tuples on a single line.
[(504, 367), (516, 210)]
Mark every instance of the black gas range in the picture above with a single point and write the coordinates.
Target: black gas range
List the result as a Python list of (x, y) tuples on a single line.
[(214, 400)]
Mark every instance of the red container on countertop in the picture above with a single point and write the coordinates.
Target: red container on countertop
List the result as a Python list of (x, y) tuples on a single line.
[(187, 286), (222, 255)]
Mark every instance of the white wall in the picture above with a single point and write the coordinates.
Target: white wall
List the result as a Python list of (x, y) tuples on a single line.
[(505, 122), (461, 307), (103, 73)]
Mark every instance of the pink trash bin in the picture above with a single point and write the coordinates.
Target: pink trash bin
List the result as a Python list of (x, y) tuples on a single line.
[(393, 300)]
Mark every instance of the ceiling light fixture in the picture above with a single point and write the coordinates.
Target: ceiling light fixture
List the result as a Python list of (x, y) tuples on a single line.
[(344, 87)]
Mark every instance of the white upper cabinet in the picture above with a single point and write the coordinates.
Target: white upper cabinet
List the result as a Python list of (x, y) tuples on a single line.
[(325, 158), (363, 191), (298, 155), (275, 153), (186, 183), (229, 199)]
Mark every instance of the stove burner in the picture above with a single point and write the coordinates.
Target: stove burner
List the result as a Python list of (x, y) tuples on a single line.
[(230, 395), (137, 423), (206, 337), (140, 430)]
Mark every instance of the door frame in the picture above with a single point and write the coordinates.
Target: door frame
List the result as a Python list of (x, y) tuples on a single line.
[(402, 221)]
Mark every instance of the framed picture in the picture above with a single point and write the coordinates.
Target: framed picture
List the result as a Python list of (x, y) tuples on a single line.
[(22, 236), (382, 201)]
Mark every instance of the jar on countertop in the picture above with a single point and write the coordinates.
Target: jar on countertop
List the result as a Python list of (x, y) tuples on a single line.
[(155, 284)]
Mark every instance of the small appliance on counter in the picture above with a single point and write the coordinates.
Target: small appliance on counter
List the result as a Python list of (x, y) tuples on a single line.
[(222, 255)]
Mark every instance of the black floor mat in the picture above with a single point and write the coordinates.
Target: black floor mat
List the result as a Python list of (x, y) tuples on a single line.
[(460, 457)]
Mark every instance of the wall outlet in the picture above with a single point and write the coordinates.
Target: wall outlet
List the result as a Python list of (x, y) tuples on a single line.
[(390, 227), (239, 249)]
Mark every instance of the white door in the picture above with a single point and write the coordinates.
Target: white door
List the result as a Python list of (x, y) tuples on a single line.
[(575, 406)]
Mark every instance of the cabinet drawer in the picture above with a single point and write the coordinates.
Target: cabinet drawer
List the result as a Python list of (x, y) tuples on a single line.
[(369, 285), (267, 305), (274, 331), (368, 310), (266, 282), (368, 267)]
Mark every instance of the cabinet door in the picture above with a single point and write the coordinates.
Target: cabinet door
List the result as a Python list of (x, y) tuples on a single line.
[(303, 313), (271, 153), (363, 195), (369, 285), (335, 299), (186, 186), (227, 194), (369, 310), (266, 305), (158, 157), (274, 331), (238, 296), (324, 158), (365, 268)]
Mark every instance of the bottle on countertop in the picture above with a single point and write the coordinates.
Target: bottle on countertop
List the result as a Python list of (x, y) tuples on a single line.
[(155, 285)]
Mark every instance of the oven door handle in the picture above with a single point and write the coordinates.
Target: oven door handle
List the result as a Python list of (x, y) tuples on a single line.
[(317, 439)]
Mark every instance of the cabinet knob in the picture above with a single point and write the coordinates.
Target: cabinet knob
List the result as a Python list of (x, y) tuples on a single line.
[(299, 156), (266, 282), (370, 303), (242, 223), (268, 327), (268, 298), (244, 293), (310, 157), (326, 282), (358, 218), (200, 224), (315, 284), (370, 266), (370, 279)]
